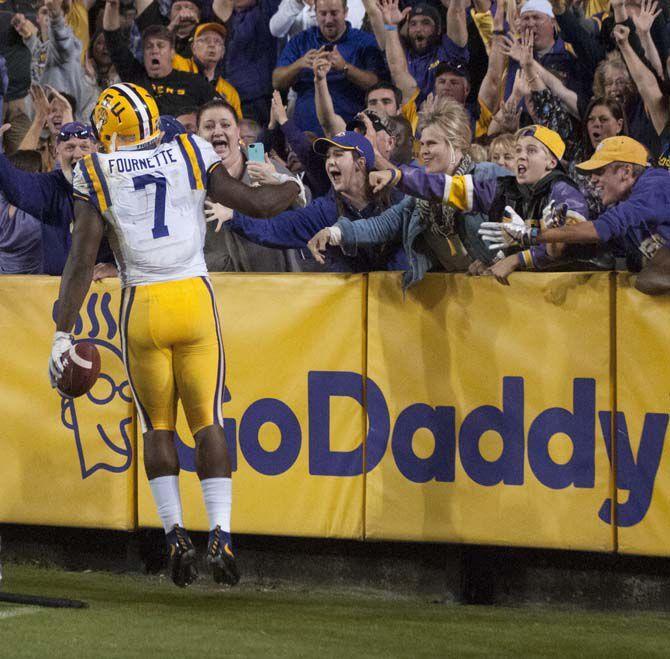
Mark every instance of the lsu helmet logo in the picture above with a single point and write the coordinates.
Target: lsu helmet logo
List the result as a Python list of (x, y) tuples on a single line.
[(125, 116), (100, 117)]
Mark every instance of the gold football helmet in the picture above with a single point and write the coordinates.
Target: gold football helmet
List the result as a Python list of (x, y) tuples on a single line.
[(125, 110)]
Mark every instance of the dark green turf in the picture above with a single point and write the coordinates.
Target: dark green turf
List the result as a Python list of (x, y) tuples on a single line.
[(136, 616)]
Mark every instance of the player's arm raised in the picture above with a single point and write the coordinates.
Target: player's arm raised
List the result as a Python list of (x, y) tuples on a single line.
[(78, 272), (263, 201)]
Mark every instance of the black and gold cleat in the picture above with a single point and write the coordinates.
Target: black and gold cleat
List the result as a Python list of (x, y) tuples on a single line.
[(220, 557), (181, 557)]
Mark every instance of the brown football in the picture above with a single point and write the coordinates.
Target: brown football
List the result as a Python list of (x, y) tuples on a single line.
[(81, 367)]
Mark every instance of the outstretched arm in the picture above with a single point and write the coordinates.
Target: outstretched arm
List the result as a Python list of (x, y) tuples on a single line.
[(583, 232), (78, 272), (515, 233), (263, 201)]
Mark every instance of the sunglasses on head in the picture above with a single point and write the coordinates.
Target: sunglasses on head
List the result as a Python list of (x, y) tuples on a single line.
[(82, 134)]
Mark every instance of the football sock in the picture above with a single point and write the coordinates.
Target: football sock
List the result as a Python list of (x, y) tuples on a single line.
[(218, 494), (166, 495)]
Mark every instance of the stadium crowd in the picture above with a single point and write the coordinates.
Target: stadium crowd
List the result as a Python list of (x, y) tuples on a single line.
[(463, 135)]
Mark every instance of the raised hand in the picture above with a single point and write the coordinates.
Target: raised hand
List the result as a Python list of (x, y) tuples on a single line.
[(391, 12), (512, 48), (60, 103), (521, 87), (55, 7), (527, 57), (23, 26), (89, 66), (429, 104), (508, 115), (620, 34), (649, 12), (40, 101), (278, 110)]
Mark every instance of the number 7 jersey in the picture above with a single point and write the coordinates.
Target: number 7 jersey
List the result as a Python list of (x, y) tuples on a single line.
[(153, 204)]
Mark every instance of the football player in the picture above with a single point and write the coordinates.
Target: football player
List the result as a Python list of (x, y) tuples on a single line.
[(148, 197)]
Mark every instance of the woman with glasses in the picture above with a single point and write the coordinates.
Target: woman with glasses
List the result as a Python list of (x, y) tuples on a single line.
[(209, 48)]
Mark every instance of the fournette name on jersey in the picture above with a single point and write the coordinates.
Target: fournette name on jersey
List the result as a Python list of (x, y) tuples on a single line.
[(136, 164)]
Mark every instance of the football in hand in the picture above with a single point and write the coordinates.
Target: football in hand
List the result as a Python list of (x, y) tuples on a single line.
[(81, 367)]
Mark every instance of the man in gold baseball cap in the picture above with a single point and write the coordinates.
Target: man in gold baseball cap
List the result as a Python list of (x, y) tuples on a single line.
[(615, 167), (617, 149)]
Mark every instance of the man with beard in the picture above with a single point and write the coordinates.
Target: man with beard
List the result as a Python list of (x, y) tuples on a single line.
[(183, 19), (426, 47), (451, 77), (174, 91), (356, 64)]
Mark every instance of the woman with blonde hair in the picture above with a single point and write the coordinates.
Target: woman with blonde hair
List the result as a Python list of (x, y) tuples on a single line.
[(433, 235)]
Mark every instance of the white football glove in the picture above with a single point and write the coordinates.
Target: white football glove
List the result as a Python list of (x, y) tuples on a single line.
[(511, 232), (62, 342)]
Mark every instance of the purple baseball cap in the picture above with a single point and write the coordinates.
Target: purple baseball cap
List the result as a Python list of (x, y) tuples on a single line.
[(75, 129), (350, 141)]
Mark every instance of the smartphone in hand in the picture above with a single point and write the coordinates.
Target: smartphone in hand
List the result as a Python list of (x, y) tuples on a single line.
[(256, 152)]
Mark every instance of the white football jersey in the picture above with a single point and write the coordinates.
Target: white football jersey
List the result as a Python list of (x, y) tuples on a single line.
[(153, 203)]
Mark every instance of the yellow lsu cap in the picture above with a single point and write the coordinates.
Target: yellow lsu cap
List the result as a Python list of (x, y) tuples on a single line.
[(550, 138), (214, 27), (616, 149)]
